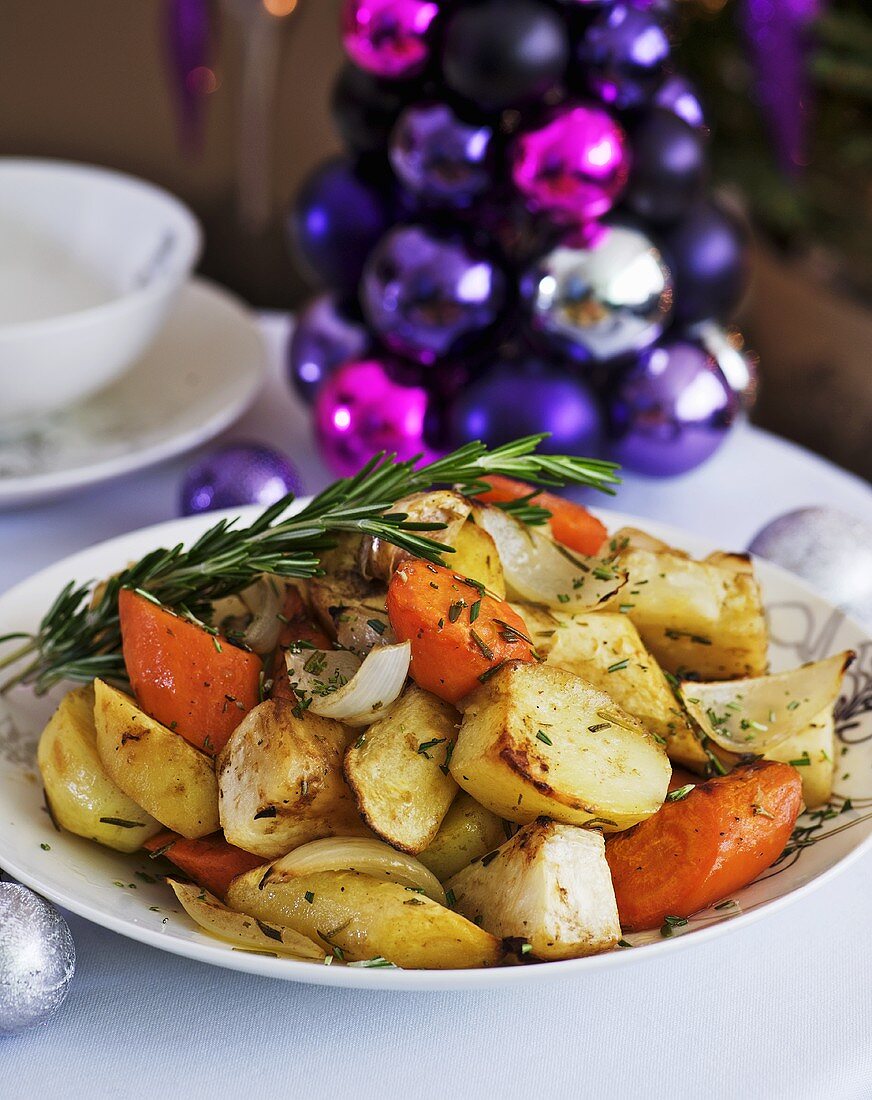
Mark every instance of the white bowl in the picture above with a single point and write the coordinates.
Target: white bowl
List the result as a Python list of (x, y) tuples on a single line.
[(90, 263)]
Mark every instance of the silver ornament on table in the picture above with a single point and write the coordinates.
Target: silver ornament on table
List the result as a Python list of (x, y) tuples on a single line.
[(738, 365), (601, 298), (37, 958), (827, 548)]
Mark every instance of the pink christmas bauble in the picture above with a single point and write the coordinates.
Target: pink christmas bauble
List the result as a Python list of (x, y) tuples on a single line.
[(362, 409), (388, 37), (574, 166)]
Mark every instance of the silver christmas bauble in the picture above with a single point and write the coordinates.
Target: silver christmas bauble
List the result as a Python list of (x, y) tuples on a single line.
[(739, 366), (602, 299), (827, 548), (37, 958)]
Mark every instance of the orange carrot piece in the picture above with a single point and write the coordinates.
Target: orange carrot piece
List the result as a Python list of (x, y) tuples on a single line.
[(298, 627), (570, 523), (210, 861), (457, 632), (191, 681), (704, 847)]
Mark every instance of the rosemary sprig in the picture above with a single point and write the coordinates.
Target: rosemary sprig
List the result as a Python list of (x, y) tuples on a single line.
[(79, 637)]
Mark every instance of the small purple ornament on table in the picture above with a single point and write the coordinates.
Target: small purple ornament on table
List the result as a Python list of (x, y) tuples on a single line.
[(363, 409), (235, 474), (574, 166), (670, 411), (323, 337), (428, 296), (388, 38)]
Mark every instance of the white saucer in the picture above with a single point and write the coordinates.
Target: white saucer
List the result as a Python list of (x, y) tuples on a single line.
[(200, 375)]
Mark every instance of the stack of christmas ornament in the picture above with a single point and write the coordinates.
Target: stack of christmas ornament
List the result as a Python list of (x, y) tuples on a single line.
[(519, 239)]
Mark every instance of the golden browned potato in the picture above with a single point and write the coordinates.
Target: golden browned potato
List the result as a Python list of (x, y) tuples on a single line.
[(549, 886), (155, 767), (605, 649), (467, 831), (360, 917), (281, 783), (700, 619), (398, 769), (82, 797), (214, 916), (475, 556), (536, 740)]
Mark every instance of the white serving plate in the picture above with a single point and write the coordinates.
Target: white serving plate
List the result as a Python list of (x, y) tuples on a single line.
[(198, 377), (103, 886)]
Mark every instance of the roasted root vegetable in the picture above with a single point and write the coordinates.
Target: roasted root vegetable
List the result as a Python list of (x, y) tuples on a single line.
[(605, 649), (812, 752), (210, 913), (189, 679), (699, 617), (475, 556), (398, 769), (358, 917), (459, 634), (298, 626), (379, 559), (548, 887), (281, 783), (570, 523), (78, 789), (210, 861), (704, 847), (159, 770), (538, 741), (467, 831), (349, 606)]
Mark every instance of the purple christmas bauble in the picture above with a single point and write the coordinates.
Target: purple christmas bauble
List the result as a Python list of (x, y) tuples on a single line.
[(602, 298), (335, 221), (236, 474), (363, 409), (707, 254), (574, 166), (429, 296), (739, 366), (388, 38), (623, 55), (513, 399), (323, 337), (498, 55), (678, 95), (439, 157), (670, 411), (669, 166)]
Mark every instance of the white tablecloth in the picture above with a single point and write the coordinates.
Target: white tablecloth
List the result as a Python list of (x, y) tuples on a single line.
[(780, 1009)]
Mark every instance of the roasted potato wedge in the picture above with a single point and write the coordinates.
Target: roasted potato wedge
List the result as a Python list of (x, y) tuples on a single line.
[(538, 741), (475, 556), (214, 916), (157, 768), (605, 649), (398, 769), (82, 797), (280, 781), (360, 917), (701, 619), (812, 752), (549, 886), (467, 831)]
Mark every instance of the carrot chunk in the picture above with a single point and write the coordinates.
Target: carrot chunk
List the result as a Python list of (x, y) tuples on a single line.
[(191, 681), (457, 631), (705, 846), (210, 861), (570, 523)]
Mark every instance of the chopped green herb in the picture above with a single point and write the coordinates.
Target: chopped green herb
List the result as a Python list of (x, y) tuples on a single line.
[(425, 745), (486, 650), (540, 736), (681, 793), (377, 625), (474, 610), (618, 666), (309, 896)]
